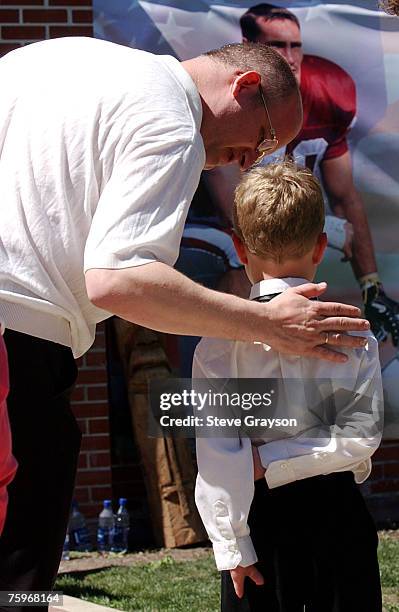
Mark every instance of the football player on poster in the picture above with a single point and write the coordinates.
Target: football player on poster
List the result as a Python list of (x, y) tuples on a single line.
[(329, 101)]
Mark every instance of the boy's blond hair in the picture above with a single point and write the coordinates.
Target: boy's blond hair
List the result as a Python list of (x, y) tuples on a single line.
[(278, 211), (390, 6)]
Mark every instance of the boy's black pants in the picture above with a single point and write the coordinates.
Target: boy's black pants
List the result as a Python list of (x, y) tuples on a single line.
[(317, 548), (46, 443)]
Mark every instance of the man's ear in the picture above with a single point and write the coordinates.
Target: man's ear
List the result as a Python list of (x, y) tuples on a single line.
[(240, 249), (319, 248), (246, 83)]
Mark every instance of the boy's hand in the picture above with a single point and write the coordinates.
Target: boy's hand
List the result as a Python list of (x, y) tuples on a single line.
[(259, 470), (239, 574)]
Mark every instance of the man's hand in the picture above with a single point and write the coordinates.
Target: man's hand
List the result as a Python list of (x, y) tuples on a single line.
[(239, 574), (311, 328), (382, 312), (259, 470)]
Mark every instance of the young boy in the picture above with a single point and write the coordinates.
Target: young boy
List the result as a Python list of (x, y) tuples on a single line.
[(307, 542), (8, 464)]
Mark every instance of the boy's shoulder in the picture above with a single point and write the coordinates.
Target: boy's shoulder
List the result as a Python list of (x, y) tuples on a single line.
[(215, 355), (371, 348), (361, 361)]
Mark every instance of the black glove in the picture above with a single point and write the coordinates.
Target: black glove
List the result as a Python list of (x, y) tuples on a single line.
[(382, 312)]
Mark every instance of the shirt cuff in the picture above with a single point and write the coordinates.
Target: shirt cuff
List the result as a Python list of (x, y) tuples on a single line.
[(280, 473), (276, 459), (238, 552), (273, 451)]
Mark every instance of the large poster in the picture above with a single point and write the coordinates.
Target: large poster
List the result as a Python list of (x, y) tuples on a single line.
[(353, 39)]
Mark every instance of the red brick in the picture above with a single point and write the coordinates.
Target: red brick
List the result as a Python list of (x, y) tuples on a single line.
[(82, 16), (391, 470), (9, 16), (97, 393), (78, 394), (7, 48), (56, 31), (82, 425), (85, 410), (99, 459), (20, 2), (82, 464), (99, 342), (81, 494), (377, 471), (101, 493), (93, 477), (386, 453), (97, 375), (98, 426), (384, 486), (45, 16), (92, 510), (85, 3), (93, 442), (96, 358), (23, 32)]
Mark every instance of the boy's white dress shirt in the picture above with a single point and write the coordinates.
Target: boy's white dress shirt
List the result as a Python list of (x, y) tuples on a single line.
[(225, 483)]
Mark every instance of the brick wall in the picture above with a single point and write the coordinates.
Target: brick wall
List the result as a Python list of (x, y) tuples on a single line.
[(91, 408), (382, 488), (24, 22)]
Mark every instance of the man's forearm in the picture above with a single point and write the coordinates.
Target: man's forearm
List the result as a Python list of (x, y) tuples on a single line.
[(159, 297)]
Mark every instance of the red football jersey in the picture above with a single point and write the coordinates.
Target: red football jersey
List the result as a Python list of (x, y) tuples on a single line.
[(329, 108)]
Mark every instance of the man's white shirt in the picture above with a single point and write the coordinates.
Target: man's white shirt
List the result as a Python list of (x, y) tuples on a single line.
[(98, 166), (225, 484)]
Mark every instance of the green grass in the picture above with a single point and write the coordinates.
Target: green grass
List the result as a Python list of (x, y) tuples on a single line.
[(178, 586), (160, 585), (388, 554)]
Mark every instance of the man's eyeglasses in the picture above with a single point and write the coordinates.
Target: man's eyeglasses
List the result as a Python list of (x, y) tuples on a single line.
[(268, 145)]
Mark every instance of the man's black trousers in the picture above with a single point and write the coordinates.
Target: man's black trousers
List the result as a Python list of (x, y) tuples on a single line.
[(46, 443), (317, 548)]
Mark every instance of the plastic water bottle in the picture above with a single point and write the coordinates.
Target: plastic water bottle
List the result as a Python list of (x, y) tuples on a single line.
[(121, 528), (65, 549), (105, 527), (78, 532)]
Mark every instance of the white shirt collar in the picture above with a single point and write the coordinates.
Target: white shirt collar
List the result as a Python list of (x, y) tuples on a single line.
[(274, 285)]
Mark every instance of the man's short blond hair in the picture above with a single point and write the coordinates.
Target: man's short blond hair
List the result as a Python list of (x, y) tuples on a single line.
[(390, 6), (278, 80), (279, 211)]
